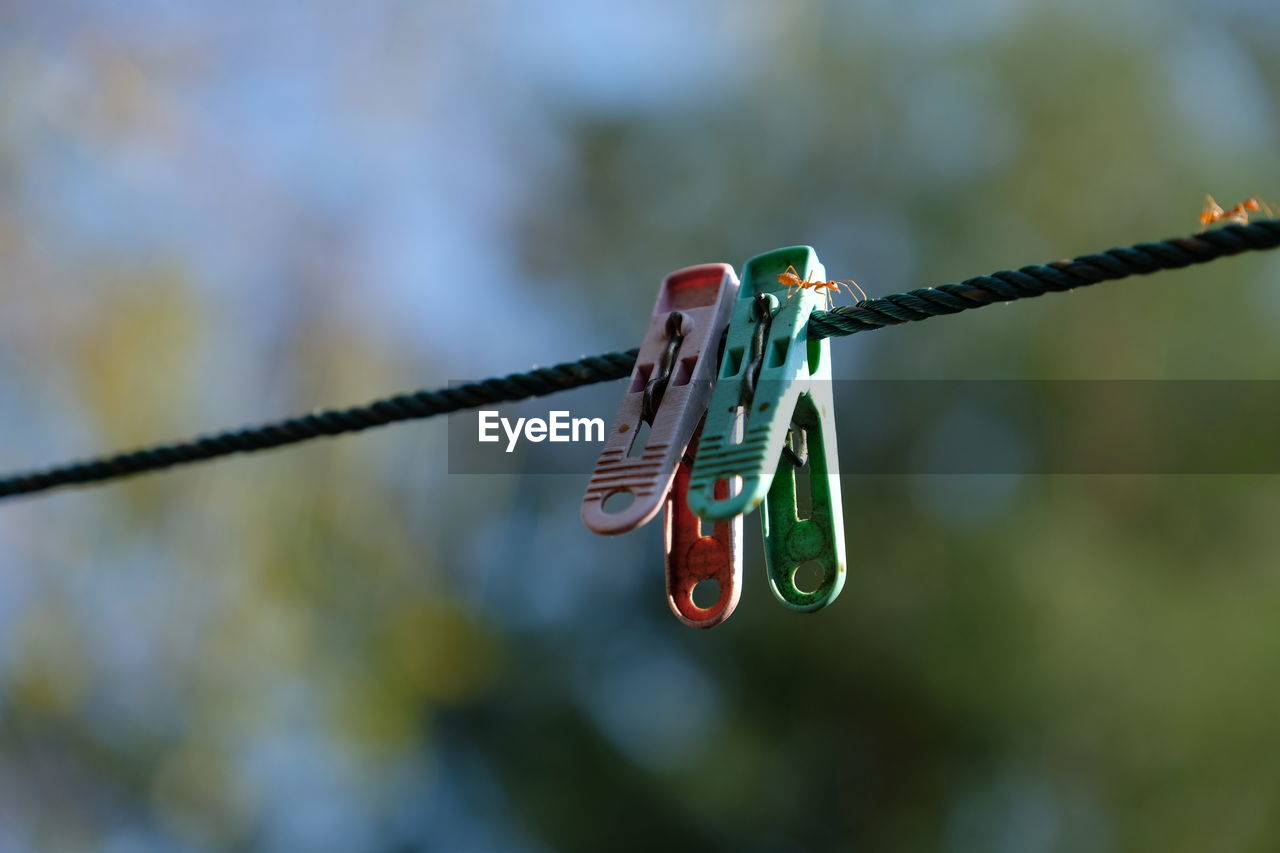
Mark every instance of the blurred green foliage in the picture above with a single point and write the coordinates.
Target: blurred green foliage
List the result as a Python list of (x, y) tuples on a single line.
[(205, 219)]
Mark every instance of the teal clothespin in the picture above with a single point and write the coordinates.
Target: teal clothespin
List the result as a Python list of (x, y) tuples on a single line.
[(770, 413)]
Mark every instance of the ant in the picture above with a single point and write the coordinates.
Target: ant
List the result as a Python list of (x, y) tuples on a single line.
[(1213, 212), (792, 280)]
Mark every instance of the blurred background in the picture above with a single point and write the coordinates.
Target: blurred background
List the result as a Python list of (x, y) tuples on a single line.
[(213, 215)]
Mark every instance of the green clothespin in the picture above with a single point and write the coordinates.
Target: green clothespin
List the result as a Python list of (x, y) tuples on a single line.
[(770, 413)]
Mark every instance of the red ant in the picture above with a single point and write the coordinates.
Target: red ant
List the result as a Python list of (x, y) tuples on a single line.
[(1213, 212), (792, 280)]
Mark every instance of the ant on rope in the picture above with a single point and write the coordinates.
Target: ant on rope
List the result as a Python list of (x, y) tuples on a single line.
[(1213, 212), (792, 280)]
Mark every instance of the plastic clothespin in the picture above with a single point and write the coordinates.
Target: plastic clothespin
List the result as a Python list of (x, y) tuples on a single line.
[(692, 558), (770, 414), (670, 385)]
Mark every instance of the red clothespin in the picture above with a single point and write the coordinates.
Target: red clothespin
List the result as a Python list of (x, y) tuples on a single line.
[(692, 558), (670, 386)]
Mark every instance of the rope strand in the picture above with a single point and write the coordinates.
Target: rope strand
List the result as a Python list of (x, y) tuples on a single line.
[(403, 407), (867, 315), (1036, 280)]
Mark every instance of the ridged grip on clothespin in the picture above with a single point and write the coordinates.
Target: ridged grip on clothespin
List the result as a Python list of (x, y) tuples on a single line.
[(702, 296)]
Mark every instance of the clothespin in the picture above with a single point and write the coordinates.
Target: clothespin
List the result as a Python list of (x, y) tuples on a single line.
[(770, 414), (670, 386), (692, 558)]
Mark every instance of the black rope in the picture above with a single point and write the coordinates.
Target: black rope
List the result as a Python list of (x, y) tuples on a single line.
[(1002, 286), (420, 404), (1008, 285)]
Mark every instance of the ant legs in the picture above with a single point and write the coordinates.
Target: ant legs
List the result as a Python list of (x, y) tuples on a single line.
[(1211, 213), (861, 295), (791, 270), (794, 283), (1239, 214)]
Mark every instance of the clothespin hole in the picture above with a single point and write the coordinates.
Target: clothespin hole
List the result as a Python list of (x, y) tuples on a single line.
[(804, 491), (732, 362), (706, 593), (639, 439), (726, 488), (815, 356), (808, 576), (739, 428), (778, 352), (617, 501), (640, 377), (684, 371)]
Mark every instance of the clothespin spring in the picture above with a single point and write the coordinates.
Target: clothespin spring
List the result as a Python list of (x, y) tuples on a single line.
[(796, 450), (761, 308), (657, 386)]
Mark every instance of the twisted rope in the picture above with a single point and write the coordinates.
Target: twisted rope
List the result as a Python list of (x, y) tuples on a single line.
[(404, 407), (1001, 286), (1038, 279)]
